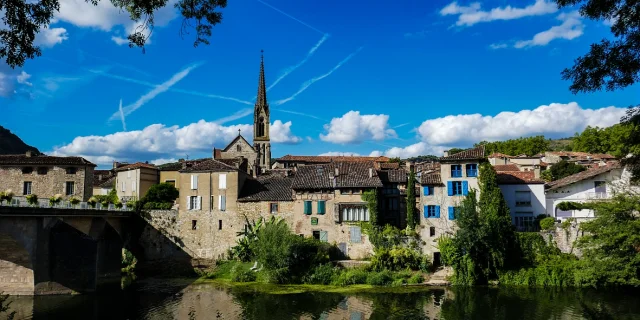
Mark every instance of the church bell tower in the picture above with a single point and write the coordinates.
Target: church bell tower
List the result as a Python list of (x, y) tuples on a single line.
[(261, 141)]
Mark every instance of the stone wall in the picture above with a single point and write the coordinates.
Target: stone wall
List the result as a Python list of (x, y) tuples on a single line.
[(565, 238), (49, 184)]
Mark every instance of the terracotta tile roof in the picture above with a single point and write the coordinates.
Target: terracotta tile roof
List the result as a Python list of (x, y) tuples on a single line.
[(499, 155), (543, 164), (431, 178), (209, 165), (350, 175), (581, 176), (506, 167), (426, 166), (393, 176), (387, 165), (137, 165), (21, 159), (328, 159), (267, 188), (175, 166), (109, 183), (583, 155), (512, 177), (100, 176), (469, 154)]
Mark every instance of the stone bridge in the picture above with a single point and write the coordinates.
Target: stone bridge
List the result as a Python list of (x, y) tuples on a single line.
[(60, 250)]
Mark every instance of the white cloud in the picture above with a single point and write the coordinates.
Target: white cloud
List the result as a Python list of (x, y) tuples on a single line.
[(23, 78), (280, 132), (355, 128), (571, 28), (472, 14), (416, 149), (119, 40), (339, 154), (158, 141), (14, 82), (553, 120), (496, 46), (160, 161), (49, 37)]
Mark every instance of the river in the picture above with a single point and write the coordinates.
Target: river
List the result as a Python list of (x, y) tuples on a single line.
[(178, 299)]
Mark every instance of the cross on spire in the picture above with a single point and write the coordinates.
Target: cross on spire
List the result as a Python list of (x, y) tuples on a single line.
[(238, 131)]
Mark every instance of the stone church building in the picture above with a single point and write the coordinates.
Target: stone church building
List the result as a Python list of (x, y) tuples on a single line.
[(258, 155)]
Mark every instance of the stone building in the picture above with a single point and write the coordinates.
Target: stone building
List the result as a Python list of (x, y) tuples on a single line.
[(103, 181), (134, 180), (442, 192), (258, 156), (329, 206), (393, 195), (170, 172), (46, 176)]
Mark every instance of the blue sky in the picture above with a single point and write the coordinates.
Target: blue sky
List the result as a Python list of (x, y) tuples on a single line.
[(357, 77)]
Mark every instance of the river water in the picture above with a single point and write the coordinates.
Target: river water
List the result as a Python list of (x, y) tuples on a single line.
[(178, 299)]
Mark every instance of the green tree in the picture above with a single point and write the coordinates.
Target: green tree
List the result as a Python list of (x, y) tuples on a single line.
[(455, 150), (395, 160), (162, 193), (24, 19), (524, 145), (371, 198), (564, 169), (611, 243), (411, 200), (610, 64)]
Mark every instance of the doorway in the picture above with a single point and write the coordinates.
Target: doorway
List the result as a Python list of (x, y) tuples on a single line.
[(436, 259)]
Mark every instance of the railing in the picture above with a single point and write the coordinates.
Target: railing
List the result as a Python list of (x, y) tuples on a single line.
[(597, 195), (44, 203)]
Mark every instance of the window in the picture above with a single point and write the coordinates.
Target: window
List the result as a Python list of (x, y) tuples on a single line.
[(222, 181), (345, 191), (472, 170), (355, 235), (26, 188), (274, 208), (453, 212), (72, 170), (457, 188), (456, 170), (238, 148), (524, 221), (219, 224), (427, 190), (27, 170), (321, 207), (600, 186), (432, 211), (523, 198), (316, 235), (129, 174), (432, 231), (43, 170), (307, 207), (194, 181), (355, 213), (356, 191), (194, 203), (222, 203), (391, 189), (392, 204), (194, 224), (211, 203), (70, 189)]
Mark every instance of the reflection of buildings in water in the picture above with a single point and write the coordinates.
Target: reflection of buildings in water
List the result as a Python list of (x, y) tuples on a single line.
[(433, 306), (352, 308), (199, 301)]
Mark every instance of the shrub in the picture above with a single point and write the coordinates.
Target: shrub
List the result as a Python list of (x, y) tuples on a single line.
[(381, 278), (74, 201), (157, 205), (162, 192), (547, 223), (321, 274), (399, 258), (32, 199), (92, 201), (416, 279), (350, 277), (118, 205), (6, 195), (55, 199), (240, 274)]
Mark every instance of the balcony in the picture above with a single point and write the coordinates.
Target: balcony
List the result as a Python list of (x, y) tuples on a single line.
[(597, 195)]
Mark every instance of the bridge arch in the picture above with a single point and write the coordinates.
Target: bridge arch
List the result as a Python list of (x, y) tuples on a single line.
[(16, 266)]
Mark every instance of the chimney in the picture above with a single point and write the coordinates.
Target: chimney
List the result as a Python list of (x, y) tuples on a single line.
[(370, 172), (334, 182), (446, 153), (116, 164), (28, 154), (337, 172), (99, 177), (410, 166)]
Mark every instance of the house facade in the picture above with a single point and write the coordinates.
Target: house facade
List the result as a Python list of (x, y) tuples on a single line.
[(134, 180), (442, 192), (46, 176), (525, 197)]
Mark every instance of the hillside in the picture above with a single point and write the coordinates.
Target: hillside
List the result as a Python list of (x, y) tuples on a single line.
[(12, 144)]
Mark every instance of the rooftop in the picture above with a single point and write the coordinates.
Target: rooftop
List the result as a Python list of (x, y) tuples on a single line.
[(137, 165), (209, 165), (512, 177), (393, 176), (350, 175), (431, 178), (175, 166), (328, 159), (581, 176), (267, 188), (476, 153), (22, 159), (499, 155), (506, 167)]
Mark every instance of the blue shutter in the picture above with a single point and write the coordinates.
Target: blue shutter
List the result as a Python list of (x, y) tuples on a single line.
[(450, 188), (321, 207), (437, 211), (452, 215), (307, 207), (465, 188), (425, 191), (426, 212)]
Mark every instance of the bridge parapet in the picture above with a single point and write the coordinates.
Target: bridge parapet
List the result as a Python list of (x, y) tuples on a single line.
[(64, 210)]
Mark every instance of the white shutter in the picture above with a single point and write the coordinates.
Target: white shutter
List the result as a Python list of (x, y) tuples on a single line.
[(188, 203), (194, 181), (133, 186), (123, 184), (199, 202), (222, 181), (219, 202)]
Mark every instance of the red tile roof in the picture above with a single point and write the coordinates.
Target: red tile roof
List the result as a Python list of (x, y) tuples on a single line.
[(513, 177), (506, 167), (476, 153), (328, 159), (431, 178), (590, 173), (350, 175), (499, 155), (137, 165)]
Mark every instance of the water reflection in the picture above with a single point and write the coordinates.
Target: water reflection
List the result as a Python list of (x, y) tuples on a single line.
[(163, 299)]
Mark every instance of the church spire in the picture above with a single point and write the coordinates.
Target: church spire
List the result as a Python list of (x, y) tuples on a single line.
[(261, 99)]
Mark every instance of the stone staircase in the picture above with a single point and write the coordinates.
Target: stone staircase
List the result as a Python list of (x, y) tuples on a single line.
[(439, 278)]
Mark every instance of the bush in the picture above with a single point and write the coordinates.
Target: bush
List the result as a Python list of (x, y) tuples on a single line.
[(381, 278), (158, 205), (32, 199), (321, 274), (240, 274), (162, 192), (416, 279), (399, 258), (350, 277), (547, 223)]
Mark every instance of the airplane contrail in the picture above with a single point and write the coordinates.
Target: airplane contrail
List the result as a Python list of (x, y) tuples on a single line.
[(290, 16), (294, 67)]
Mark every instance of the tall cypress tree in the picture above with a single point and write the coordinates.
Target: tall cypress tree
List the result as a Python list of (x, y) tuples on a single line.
[(411, 200)]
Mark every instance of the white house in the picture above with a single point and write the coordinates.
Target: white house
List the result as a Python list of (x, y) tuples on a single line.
[(593, 184), (524, 194)]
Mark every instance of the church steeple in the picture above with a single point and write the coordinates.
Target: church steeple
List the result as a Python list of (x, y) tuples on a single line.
[(261, 99), (261, 123)]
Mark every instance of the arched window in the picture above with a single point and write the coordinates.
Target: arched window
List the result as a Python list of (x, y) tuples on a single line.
[(261, 131), (238, 148)]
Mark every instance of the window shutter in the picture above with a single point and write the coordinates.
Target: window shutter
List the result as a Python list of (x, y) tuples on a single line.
[(425, 191), (465, 188), (194, 182), (324, 236), (450, 188), (222, 181), (219, 202), (451, 213), (133, 186), (123, 184), (224, 203), (321, 207), (188, 203), (437, 211), (426, 212), (307, 207), (355, 234), (199, 203)]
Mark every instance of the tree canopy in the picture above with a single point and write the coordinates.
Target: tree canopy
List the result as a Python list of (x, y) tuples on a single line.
[(610, 64), (513, 147), (612, 140), (162, 193), (24, 19), (564, 169)]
